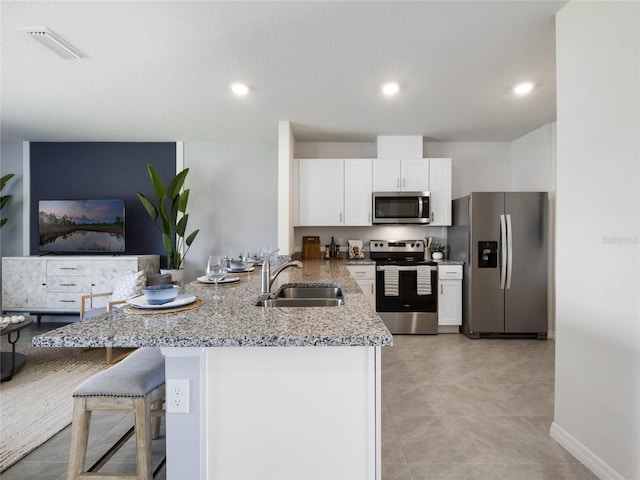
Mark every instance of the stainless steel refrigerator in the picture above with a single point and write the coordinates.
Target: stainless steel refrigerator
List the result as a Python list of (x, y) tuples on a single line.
[(502, 239)]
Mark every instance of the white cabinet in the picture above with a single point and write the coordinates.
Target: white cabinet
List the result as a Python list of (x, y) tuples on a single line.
[(357, 192), (334, 192), (396, 175), (365, 276), (440, 188), (449, 295), (56, 284)]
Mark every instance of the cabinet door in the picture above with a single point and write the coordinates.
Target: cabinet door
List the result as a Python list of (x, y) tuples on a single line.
[(365, 276), (440, 188), (357, 191), (450, 302), (415, 175), (386, 175), (24, 283), (321, 192)]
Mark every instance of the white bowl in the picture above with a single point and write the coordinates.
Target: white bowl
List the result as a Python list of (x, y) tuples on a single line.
[(159, 294)]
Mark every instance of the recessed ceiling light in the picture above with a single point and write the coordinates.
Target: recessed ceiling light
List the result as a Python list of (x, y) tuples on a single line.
[(390, 88), (239, 89), (523, 88)]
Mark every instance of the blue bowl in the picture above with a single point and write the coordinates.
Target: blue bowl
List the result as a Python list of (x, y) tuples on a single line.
[(159, 294)]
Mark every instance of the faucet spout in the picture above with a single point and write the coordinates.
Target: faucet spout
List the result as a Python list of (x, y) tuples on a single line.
[(267, 278)]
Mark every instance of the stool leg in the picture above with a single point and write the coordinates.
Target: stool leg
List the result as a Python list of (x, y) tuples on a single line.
[(79, 438), (142, 422)]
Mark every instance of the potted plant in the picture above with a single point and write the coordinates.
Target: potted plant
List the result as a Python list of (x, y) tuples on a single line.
[(170, 202), (437, 251), (5, 198)]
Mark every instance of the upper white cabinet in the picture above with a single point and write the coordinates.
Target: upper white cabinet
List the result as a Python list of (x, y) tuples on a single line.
[(334, 192), (400, 174), (357, 191), (321, 192), (337, 192), (440, 188)]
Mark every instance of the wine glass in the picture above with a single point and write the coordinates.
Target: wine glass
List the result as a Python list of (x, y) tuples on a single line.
[(247, 259), (215, 272)]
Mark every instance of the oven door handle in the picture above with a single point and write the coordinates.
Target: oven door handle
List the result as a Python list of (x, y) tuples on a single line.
[(404, 268)]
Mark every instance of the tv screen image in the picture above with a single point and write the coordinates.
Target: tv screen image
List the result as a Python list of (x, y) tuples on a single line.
[(81, 226)]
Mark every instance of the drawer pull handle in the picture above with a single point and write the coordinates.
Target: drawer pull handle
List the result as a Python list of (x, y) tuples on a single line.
[(68, 268), (67, 301), (67, 284)]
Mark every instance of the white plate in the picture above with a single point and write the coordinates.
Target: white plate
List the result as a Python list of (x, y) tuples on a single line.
[(181, 299), (241, 270), (229, 279)]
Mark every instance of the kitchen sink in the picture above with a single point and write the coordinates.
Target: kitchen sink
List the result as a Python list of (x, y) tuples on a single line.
[(313, 295)]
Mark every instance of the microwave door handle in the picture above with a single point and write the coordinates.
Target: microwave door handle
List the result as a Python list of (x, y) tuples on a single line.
[(420, 207), (503, 251)]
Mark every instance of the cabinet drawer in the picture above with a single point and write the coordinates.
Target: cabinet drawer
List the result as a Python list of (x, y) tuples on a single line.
[(68, 284), (71, 268), (450, 272), (65, 301), (362, 271)]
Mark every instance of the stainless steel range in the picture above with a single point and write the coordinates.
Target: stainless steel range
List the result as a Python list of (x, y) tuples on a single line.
[(406, 286)]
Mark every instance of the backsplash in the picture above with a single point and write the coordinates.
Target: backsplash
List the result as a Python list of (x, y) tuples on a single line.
[(342, 235)]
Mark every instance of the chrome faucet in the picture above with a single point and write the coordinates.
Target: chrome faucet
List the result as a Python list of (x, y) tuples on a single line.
[(267, 278)]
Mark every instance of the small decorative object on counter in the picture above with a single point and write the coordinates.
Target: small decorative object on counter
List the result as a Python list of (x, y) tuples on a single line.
[(427, 248), (332, 248), (355, 249), (327, 253), (437, 251)]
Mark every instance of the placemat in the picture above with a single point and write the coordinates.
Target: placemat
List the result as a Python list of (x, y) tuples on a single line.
[(144, 311)]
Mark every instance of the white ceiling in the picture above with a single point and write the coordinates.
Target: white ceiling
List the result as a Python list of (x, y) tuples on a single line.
[(160, 70)]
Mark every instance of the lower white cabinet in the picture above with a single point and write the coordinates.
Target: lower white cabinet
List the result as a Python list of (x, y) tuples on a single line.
[(55, 285), (365, 276), (449, 295)]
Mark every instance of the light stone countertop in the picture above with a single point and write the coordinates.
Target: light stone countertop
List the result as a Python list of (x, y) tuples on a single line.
[(235, 321)]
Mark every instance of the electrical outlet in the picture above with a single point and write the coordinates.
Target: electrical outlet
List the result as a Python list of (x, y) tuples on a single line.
[(177, 395)]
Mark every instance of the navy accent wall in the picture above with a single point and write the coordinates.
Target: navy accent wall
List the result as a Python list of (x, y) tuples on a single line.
[(74, 171)]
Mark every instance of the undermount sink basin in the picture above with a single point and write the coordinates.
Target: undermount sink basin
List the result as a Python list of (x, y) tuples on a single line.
[(305, 296), (300, 302)]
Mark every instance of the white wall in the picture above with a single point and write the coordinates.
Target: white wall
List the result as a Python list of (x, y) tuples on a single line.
[(597, 387), (233, 199), (531, 160), (476, 166), (11, 235)]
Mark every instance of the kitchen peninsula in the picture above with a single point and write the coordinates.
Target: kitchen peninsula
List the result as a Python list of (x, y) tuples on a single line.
[(287, 393)]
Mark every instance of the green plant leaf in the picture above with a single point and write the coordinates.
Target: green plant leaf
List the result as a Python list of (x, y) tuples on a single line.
[(191, 238), (183, 200), (148, 206), (158, 187), (181, 227), (173, 190), (4, 200), (5, 179)]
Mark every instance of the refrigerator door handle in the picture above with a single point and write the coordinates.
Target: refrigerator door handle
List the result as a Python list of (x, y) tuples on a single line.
[(509, 251), (503, 251)]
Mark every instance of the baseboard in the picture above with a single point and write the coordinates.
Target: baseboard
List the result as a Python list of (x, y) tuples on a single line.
[(589, 459)]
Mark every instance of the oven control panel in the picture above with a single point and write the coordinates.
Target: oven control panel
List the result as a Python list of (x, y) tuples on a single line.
[(396, 246)]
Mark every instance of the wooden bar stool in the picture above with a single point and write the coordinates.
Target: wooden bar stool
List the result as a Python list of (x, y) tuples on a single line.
[(136, 384)]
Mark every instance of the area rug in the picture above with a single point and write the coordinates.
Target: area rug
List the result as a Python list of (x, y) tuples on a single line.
[(36, 404)]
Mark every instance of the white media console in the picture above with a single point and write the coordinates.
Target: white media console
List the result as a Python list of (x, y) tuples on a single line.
[(54, 284)]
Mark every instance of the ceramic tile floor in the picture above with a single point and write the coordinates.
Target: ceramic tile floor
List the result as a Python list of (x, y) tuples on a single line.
[(453, 409)]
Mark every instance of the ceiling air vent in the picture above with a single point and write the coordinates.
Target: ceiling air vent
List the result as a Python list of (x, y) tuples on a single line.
[(54, 42)]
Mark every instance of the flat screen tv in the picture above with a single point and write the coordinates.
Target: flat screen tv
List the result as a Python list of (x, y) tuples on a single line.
[(81, 226)]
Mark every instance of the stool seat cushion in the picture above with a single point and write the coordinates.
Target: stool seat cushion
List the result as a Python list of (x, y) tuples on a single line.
[(135, 376)]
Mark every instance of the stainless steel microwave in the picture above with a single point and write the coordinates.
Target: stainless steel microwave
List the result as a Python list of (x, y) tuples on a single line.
[(401, 207)]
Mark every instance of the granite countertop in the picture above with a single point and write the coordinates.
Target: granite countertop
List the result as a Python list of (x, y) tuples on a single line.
[(235, 321)]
